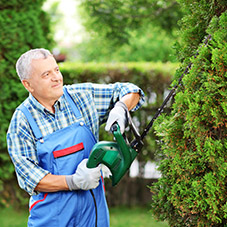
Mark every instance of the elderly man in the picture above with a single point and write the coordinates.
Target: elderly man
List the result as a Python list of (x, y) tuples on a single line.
[(51, 135)]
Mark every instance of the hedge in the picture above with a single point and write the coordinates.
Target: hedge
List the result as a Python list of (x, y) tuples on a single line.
[(193, 186), (23, 26)]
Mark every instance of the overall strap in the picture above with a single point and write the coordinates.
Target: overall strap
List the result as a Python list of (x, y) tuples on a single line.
[(72, 103), (31, 121)]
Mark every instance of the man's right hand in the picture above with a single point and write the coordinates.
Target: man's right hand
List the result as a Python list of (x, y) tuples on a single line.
[(84, 178)]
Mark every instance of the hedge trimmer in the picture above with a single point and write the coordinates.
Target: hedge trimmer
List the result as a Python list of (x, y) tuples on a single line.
[(118, 156)]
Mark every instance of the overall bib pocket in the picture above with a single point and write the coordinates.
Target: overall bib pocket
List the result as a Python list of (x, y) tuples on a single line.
[(68, 150), (66, 160)]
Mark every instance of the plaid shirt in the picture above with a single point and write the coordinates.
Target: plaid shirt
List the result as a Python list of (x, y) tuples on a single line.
[(94, 101)]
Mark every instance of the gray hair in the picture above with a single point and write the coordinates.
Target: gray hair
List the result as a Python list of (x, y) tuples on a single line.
[(23, 65)]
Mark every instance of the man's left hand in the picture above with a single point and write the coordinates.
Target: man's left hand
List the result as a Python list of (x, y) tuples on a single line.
[(118, 114)]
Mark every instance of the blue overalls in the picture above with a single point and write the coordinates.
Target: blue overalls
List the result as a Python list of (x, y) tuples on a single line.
[(60, 153)]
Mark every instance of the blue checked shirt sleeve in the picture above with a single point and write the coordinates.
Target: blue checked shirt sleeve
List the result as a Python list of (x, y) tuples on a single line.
[(106, 96), (22, 150)]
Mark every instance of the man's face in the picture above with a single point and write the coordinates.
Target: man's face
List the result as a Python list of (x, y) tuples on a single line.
[(45, 82)]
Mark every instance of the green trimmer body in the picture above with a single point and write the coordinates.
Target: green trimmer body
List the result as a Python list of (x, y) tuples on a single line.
[(117, 156)]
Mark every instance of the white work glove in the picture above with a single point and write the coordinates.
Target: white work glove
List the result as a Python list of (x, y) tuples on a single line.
[(84, 178), (118, 114)]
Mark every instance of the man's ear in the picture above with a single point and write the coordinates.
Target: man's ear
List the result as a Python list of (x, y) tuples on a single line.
[(27, 85)]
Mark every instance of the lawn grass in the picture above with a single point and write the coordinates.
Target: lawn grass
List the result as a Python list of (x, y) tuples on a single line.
[(13, 218), (133, 217), (119, 217)]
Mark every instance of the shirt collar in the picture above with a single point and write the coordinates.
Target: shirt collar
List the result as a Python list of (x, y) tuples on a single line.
[(60, 102), (40, 107)]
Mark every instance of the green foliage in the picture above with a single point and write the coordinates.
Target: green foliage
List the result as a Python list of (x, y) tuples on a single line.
[(114, 19), (143, 73), (129, 30), (192, 190), (195, 22), (23, 26), (147, 43)]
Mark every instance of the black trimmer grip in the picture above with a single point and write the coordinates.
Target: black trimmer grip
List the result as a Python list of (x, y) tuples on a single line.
[(114, 127)]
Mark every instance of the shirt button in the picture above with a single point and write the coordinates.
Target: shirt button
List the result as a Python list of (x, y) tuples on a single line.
[(81, 123)]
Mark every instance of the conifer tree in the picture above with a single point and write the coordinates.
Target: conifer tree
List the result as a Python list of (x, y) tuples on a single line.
[(193, 188)]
